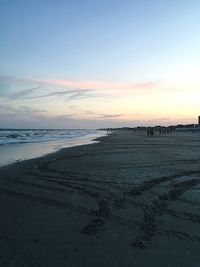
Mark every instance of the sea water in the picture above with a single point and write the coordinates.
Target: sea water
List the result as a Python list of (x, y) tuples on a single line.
[(17, 145)]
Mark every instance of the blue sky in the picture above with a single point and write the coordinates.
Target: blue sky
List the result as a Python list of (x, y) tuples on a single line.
[(129, 55)]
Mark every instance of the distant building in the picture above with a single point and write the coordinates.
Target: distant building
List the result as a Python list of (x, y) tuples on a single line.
[(189, 127)]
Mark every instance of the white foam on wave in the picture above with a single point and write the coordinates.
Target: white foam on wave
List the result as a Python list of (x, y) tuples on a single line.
[(35, 136)]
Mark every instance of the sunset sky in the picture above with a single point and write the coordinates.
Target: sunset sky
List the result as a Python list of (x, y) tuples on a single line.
[(91, 64)]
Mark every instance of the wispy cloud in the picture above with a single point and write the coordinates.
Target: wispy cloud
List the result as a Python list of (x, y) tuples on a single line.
[(100, 85), (110, 116), (24, 93), (83, 85), (60, 121), (55, 94), (20, 111), (9, 86), (97, 115), (86, 94), (68, 95)]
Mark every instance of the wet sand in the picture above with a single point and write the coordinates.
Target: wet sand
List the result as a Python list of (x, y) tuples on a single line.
[(129, 200)]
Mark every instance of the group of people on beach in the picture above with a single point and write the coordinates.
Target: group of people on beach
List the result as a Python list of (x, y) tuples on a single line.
[(168, 131), (150, 131)]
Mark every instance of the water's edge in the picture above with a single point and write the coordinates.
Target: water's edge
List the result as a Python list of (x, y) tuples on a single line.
[(14, 153)]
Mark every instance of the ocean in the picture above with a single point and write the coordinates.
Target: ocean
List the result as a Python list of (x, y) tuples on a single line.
[(22, 144)]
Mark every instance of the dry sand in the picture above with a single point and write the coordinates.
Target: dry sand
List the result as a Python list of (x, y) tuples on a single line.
[(129, 200)]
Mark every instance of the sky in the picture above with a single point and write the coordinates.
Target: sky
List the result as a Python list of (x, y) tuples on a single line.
[(94, 64)]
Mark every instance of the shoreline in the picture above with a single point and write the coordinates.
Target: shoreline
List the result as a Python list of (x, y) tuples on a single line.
[(22, 165), (128, 200), (14, 153), (64, 151)]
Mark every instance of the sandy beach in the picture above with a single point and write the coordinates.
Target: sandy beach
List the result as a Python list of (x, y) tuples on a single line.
[(127, 201)]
